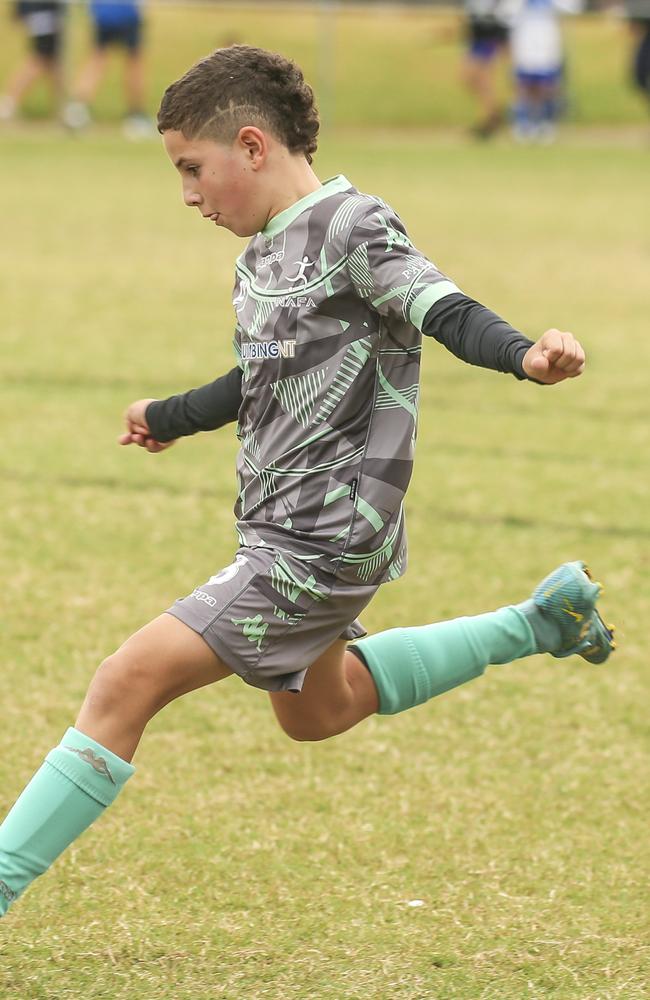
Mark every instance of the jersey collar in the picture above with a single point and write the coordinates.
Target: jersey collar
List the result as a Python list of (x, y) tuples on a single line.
[(283, 219)]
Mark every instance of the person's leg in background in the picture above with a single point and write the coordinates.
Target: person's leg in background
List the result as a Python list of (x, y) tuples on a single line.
[(42, 61)]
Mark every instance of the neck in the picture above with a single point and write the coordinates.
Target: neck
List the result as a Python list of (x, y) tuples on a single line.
[(294, 179)]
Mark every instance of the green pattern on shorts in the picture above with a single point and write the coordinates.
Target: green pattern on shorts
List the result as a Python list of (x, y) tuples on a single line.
[(253, 629), (289, 585), (284, 616)]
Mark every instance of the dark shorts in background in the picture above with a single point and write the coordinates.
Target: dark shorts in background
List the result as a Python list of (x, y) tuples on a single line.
[(270, 615), (127, 36), (44, 30), (486, 39), (548, 79)]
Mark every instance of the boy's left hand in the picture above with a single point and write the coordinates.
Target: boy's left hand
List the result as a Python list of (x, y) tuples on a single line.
[(554, 357)]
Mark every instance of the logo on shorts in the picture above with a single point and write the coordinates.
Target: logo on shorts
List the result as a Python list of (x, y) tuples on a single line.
[(223, 576), (227, 574), (200, 595)]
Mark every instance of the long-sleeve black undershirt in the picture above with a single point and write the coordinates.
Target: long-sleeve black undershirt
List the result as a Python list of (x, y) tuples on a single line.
[(476, 335), (465, 327), (203, 409)]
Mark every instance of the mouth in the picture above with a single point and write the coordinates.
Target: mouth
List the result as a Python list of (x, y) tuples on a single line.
[(212, 216)]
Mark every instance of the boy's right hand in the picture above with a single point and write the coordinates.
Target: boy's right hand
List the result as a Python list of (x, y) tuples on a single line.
[(137, 428)]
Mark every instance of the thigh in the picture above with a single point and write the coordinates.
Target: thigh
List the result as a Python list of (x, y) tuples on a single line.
[(338, 692), (159, 663), (172, 656)]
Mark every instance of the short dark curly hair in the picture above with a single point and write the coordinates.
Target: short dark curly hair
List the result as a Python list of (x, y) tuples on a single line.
[(238, 86)]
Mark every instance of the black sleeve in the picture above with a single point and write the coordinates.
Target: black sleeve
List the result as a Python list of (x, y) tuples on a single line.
[(476, 335), (203, 409)]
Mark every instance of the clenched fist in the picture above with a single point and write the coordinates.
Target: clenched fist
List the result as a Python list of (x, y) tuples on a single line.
[(137, 428)]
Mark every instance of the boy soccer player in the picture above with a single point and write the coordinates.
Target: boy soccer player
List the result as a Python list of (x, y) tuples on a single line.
[(331, 297)]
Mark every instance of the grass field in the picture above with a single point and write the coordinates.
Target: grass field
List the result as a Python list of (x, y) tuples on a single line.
[(240, 865)]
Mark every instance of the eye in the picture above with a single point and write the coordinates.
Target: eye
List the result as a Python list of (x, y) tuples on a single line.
[(193, 171)]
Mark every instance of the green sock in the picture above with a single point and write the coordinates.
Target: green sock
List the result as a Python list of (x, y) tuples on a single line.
[(78, 779), (411, 665)]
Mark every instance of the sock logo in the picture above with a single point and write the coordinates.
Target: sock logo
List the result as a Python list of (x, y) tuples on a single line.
[(7, 892), (94, 760)]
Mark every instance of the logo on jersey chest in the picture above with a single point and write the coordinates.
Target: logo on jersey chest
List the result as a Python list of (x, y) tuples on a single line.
[(294, 302), (273, 349), (272, 258)]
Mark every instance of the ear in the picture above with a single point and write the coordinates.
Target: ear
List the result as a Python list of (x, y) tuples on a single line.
[(254, 144)]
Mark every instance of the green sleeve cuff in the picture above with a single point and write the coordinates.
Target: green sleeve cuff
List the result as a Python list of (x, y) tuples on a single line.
[(427, 298)]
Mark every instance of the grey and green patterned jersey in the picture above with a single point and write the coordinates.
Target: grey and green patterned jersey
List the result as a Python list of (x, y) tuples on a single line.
[(330, 300)]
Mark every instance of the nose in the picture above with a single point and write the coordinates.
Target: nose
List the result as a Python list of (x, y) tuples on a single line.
[(190, 197)]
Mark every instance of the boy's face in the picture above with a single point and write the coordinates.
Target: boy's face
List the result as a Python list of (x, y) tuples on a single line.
[(220, 180)]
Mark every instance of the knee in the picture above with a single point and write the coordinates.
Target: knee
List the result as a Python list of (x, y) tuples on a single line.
[(118, 682), (305, 730)]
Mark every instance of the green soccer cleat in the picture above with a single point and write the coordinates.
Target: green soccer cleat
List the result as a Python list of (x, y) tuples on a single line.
[(562, 614)]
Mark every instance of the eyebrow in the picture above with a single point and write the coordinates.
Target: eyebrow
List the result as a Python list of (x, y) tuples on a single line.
[(182, 161)]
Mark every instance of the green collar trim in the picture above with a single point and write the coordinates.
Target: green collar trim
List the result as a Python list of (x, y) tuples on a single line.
[(285, 218)]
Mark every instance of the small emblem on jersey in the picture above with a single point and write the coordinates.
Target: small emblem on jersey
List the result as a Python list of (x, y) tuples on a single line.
[(302, 266), (273, 349), (415, 269)]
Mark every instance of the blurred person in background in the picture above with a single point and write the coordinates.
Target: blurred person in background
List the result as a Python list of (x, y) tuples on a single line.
[(487, 37), (638, 14), (116, 24), (43, 23), (539, 67)]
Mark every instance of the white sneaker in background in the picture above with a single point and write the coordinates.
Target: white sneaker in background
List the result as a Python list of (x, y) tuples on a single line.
[(7, 108), (76, 116), (546, 133), (138, 126)]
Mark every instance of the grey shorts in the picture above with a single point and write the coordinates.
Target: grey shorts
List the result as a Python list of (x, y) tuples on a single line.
[(270, 615)]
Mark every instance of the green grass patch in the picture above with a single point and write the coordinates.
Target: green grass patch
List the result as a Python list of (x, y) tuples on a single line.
[(239, 865)]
